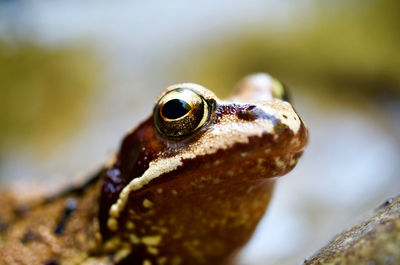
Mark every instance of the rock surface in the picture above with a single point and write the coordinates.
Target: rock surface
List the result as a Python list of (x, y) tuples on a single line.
[(374, 241)]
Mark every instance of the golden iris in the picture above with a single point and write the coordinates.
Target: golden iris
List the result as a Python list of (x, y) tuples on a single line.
[(180, 112)]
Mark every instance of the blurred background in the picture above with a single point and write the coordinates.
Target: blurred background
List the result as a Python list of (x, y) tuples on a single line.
[(76, 75)]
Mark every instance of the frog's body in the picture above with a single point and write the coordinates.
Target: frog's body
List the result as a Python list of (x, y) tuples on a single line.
[(188, 185), (63, 231)]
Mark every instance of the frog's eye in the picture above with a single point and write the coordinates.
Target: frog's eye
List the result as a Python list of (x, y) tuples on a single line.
[(180, 112), (279, 90)]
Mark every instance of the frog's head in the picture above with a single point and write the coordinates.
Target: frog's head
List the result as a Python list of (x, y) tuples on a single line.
[(199, 170)]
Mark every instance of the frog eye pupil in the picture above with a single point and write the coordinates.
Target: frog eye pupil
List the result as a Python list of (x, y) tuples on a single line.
[(175, 108)]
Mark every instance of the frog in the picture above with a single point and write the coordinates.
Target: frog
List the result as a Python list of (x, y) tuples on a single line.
[(188, 185)]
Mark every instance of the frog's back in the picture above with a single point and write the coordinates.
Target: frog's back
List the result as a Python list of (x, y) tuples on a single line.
[(59, 231)]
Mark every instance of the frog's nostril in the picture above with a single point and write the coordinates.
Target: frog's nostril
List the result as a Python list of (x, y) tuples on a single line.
[(252, 112), (248, 113)]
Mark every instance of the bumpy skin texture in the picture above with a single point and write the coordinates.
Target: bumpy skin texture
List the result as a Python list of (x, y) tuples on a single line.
[(42, 233), (195, 199), (376, 240)]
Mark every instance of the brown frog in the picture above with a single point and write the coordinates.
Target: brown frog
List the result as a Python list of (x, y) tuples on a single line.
[(188, 185)]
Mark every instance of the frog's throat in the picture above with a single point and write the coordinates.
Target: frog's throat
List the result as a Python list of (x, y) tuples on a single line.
[(222, 136)]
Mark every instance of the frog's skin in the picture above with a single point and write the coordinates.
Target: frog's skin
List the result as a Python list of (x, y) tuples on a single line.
[(180, 191)]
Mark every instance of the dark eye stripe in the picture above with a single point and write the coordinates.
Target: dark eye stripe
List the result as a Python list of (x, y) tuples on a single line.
[(175, 108)]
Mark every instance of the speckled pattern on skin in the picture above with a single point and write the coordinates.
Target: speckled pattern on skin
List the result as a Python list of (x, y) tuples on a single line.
[(31, 237), (192, 197), (375, 241)]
